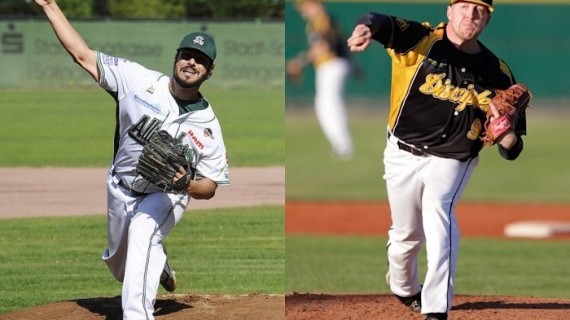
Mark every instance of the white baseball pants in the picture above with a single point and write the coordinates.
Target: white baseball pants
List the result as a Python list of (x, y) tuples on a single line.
[(423, 192), (330, 105), (136, 227)]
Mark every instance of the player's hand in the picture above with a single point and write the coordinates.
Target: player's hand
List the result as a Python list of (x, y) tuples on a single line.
[(294, 67), (360, 39), (294, 70), (495, 111), (179, 174), (42, 3), (508, 139)]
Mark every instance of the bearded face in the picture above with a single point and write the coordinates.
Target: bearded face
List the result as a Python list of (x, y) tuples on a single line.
[(191, 68)]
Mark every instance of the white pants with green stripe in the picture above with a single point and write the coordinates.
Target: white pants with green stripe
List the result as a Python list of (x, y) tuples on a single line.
[(136, 227)]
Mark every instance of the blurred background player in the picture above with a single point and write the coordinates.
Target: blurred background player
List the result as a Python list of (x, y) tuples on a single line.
[(328, 53)]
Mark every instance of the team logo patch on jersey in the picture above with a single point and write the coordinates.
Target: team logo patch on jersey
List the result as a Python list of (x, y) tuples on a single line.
[(208, 133), (150, 89), (197, 141), (402, 24), (199, 40)]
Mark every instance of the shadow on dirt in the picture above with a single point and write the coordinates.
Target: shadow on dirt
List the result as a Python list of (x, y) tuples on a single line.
[(110, 307), (482, 305)]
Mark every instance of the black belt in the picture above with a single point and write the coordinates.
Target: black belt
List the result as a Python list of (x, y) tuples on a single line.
[(127, 187), (408, 148), (412, 150)]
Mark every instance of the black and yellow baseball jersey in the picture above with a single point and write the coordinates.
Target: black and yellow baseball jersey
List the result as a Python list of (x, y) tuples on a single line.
[(439, 94)]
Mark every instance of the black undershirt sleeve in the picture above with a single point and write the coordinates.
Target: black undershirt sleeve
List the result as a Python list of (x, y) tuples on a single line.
[(514, 152), (393, 32)]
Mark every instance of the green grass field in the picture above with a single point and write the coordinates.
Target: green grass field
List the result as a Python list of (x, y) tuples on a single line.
[(43, 260), (231, 251), (540, 174), (485, 266), (75, 128)]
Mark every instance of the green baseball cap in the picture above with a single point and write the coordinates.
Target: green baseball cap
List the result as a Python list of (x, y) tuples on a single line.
[(201, 42)]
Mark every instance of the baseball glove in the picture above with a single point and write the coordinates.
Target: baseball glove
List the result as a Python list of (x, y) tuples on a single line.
[(161, 158), (511, 104)]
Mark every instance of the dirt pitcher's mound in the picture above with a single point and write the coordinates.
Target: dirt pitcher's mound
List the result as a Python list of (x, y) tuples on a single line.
[(172, 307), (374, 307)]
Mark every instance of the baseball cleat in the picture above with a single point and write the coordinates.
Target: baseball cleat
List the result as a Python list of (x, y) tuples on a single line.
[(414, 302), (168, 278), (436, 316)]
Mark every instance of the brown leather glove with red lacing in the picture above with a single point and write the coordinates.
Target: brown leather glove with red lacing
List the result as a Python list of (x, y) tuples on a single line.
[(511, 104)]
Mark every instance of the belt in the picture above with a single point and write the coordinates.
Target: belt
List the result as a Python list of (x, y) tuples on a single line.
[(126, 186), (412, 150), (408, 148)]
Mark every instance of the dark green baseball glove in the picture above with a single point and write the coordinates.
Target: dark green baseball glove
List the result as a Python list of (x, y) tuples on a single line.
[(161, 158)]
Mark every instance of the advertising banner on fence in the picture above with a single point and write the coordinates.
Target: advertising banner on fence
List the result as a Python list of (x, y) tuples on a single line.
[(249, 53)]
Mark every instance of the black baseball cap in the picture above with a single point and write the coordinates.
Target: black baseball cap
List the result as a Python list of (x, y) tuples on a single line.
[(486, 3), (200, 41)]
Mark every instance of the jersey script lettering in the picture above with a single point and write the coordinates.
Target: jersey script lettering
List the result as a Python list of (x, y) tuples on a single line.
[(143, 129), (444, 90)]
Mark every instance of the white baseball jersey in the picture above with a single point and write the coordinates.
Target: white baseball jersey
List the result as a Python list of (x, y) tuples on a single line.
[(145, 105), (139, 215)]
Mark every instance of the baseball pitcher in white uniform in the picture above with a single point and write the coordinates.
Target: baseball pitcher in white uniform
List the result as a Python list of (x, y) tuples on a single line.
[(141, 215)]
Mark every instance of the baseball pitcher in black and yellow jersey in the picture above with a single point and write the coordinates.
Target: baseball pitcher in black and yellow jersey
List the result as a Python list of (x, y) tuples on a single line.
[(443, 79)]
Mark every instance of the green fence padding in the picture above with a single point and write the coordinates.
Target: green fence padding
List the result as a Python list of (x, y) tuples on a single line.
[(249, 53), (531, 38)]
